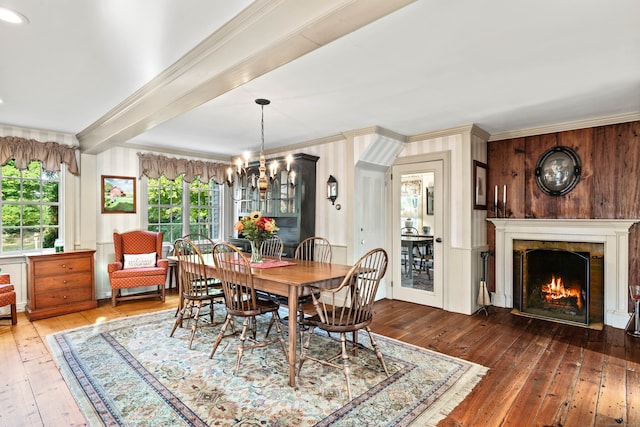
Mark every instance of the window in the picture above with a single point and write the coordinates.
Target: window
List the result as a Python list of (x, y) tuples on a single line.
[(30, 207), (177, 208)]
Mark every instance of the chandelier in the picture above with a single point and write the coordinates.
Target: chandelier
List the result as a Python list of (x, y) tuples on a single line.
[(260, 181)]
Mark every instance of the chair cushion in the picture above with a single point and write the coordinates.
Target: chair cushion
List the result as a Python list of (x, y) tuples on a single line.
[(139, 260), (7, 298), (138, 272), (6, 288)]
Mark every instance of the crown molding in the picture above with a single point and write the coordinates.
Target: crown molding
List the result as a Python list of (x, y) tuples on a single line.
[(562, 127)]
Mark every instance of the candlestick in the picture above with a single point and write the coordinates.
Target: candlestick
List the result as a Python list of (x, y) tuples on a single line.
[(504, 199)]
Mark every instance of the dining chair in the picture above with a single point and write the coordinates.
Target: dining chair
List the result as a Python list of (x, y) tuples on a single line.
[(314, 249), (348, 308), (273, 247), (195, 285), (241, 301), (205, 245), (311, 249)]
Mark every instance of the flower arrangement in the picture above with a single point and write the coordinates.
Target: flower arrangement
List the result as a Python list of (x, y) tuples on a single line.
[(256, 227)]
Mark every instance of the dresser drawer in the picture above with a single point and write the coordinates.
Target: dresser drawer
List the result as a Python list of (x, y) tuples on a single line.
[(69, 296), (62, 266), (64, 281)]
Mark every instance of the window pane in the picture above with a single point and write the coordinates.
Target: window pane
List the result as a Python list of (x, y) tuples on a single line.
[(153, 215), (30, 191), (10, 188), (50, 191), (50, 215), (11, 239), (31, 239), (10, 215), (30, 215), (49, 236)]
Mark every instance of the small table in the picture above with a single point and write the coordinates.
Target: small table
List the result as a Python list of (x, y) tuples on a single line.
[(410, 241)]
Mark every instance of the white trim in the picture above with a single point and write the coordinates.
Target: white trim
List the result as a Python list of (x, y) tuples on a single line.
[(561, 127), (614, 233)]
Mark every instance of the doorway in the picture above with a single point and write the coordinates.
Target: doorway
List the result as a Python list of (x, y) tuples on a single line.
[(417, 193)]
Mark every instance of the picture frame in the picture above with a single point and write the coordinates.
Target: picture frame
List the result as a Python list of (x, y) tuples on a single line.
[(480, 185), (429, 200), (118, 194)]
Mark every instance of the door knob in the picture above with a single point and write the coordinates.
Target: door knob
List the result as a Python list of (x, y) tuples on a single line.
[(438, 240)]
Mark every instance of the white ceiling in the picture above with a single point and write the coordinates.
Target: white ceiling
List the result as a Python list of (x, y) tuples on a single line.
[(88, 68)]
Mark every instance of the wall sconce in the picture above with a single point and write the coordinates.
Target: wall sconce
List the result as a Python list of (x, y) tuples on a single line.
[(332, 189)]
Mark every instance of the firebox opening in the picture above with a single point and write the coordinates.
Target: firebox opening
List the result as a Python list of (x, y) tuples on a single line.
[(555, 281)]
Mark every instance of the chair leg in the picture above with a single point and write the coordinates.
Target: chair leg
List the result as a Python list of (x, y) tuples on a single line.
[(114, 295), (345, 362), (243, 337), (221, 335), (305, 349), (14, 315), (194, 327), (374, 344)]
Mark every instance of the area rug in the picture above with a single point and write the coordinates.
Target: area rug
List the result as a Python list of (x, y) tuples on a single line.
[(129, 372)]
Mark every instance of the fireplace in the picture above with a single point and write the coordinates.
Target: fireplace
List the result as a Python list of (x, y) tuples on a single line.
[(560, 281), (613, 234)]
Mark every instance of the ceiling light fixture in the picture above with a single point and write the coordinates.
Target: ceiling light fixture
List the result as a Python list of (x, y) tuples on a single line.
[(12, 17), (242, 164)]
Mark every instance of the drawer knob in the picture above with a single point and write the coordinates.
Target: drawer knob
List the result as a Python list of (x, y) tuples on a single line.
[(64, 281), (64, 266), (64, 297)]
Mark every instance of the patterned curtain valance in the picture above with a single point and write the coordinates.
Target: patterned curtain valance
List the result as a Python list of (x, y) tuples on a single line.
[(50, 154), (154, 166)]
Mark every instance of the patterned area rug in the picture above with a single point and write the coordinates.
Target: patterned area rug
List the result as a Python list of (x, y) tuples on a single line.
[(129, 372)]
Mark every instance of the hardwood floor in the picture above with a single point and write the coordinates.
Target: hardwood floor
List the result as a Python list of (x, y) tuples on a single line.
[(541, 373)]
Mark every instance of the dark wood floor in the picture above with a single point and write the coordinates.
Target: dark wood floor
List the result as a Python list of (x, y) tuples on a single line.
[(541, 373)]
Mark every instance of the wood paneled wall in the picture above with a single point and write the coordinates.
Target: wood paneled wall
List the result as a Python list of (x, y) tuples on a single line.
[(609, 186)]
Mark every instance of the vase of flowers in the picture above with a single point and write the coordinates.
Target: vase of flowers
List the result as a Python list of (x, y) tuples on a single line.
[(256, 228)]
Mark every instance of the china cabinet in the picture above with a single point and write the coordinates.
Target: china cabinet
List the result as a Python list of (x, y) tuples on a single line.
[(290, 199)]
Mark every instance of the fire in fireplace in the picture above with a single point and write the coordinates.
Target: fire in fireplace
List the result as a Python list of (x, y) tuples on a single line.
[(554, 280)]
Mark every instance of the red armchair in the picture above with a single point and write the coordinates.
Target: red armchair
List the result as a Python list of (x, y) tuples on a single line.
[(8, 296), (139, 263)]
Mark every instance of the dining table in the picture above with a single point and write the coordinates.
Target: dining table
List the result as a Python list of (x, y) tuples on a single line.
[(289, 278)]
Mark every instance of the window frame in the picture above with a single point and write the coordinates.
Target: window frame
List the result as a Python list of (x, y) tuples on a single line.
[(186, 225), (59, 204)]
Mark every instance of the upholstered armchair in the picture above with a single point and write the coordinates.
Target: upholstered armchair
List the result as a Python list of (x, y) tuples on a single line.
[(8, 296), (138, 264)]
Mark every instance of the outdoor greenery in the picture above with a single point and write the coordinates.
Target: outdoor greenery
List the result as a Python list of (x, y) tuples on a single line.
[(30, 207)]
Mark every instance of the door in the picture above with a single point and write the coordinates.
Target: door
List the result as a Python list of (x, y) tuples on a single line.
[(369, 208), (417, 197)]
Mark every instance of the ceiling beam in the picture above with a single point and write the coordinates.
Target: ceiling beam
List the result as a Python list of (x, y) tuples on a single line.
[(264, 36)]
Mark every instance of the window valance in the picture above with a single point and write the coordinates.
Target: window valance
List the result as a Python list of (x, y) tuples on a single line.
[(50, 154), (154, 166)]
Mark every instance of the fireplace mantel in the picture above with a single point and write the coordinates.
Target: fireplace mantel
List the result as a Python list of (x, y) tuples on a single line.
[(614, 233)]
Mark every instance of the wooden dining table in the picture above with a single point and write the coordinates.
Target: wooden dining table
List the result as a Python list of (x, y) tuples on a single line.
[(289, 281)]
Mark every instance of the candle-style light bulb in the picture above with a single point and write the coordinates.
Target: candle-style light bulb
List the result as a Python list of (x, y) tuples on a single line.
[(289, 160), (292, 177)]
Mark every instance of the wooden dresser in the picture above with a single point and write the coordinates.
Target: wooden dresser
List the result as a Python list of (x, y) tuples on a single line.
[(60, 283)]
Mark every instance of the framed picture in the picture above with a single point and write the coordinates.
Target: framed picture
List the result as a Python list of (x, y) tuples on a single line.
[(480, 182), (118, 194), (429, 199)]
